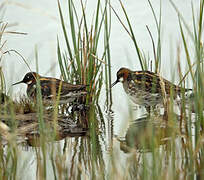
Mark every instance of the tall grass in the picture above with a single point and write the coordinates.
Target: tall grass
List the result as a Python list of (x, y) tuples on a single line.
[(81, 61), (197, 74), (8, 163), (144, 60), (2, 79)]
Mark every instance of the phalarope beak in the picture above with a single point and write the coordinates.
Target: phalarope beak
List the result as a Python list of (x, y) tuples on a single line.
[(114, 83), (17, 83)]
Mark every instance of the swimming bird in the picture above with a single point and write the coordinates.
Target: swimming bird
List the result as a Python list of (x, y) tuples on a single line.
[(51, 88)]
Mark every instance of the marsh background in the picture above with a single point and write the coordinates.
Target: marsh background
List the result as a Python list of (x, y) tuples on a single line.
[(42, 23)]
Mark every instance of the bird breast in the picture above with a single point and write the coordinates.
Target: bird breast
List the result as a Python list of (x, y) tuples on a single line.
[(139, 96)]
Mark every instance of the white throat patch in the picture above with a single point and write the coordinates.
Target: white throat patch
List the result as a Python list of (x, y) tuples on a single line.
[(121, 79), (29, 82)]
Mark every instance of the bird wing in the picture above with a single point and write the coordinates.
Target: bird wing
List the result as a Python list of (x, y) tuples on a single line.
[(153, 82), (50, 87)]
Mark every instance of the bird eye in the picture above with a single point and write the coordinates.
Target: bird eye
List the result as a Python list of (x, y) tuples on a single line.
[(121, 75)]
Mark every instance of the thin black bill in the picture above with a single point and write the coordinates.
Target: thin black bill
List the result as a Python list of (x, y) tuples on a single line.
[(114, 83), (17, 83)]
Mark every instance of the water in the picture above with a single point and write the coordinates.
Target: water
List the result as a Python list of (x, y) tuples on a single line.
[(41, 22)]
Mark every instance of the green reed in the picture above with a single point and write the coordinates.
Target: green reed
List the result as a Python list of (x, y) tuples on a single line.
[(9, 164), (143, 59), (195, 62), (2, 79), (81, 61)]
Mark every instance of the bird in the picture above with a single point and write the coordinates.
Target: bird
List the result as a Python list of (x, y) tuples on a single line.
[(146, 88), (51, 88)]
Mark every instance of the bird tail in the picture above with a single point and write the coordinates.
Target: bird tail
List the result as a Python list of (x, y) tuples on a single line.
[(184, 90)]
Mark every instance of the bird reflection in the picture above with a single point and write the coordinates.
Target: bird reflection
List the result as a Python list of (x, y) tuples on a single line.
[(145, 134)]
